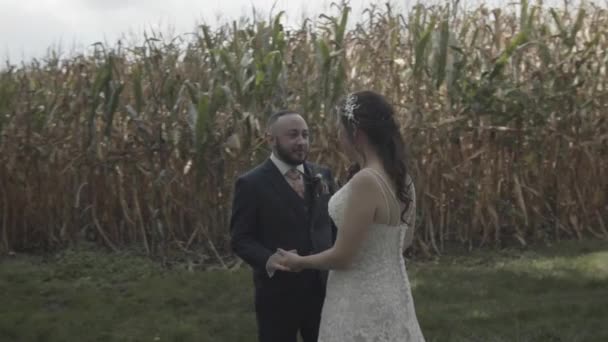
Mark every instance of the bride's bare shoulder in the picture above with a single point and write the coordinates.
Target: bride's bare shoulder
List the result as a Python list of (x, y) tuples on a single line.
[(363, 182)]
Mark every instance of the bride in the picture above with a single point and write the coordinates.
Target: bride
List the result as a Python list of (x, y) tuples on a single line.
[(368, 291)]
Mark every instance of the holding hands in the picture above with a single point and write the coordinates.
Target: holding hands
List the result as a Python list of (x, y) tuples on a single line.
[(283, 260), (290, 259)]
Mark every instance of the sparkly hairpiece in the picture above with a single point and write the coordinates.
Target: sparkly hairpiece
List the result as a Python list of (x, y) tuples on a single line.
[(349, 108)]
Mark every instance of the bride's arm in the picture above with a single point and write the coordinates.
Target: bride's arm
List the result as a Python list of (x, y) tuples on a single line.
[(359, 214)]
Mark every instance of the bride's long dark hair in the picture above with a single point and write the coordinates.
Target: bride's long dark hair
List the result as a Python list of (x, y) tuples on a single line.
[(375, 116)]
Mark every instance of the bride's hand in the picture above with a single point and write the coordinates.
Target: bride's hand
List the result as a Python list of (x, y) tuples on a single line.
[(291, 259)]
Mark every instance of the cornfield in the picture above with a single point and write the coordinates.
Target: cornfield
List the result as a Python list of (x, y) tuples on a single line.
[(504, 114)]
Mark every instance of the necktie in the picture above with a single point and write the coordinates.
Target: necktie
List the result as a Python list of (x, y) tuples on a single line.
[(294, 177)]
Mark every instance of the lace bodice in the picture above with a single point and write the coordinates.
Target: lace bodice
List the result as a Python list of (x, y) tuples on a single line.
[(383, 243), (371, 301)]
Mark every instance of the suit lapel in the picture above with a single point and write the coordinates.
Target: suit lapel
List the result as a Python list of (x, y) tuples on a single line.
[(314, 200), (279, 183)]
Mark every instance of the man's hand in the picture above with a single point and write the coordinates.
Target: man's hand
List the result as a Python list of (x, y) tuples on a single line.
[(277, 262), (291, 260)]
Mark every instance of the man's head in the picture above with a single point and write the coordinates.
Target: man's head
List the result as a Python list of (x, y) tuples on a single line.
[(287, 135)]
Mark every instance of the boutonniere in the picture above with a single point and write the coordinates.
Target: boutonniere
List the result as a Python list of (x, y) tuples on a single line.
[(319, 184)]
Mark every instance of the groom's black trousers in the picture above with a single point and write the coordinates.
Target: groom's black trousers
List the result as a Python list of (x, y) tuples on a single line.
[(282, 314)]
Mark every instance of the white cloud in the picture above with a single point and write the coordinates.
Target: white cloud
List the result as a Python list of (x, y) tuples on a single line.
[(111, 4), (29, 27)]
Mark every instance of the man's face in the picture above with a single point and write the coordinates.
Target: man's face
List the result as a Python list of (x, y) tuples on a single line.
[(289, 139)]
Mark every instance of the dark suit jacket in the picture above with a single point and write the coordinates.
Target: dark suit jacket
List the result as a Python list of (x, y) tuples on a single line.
[(268, 214)]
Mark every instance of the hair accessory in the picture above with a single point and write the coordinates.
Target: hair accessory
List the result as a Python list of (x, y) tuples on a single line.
[(349, 108)]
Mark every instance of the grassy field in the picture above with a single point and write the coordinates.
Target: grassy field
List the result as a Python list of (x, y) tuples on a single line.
[(554, 293)]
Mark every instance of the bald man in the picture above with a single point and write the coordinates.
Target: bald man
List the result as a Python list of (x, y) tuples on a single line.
[(282, 203)]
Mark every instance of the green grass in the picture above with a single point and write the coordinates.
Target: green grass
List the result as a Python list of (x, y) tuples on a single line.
[(557, 293)]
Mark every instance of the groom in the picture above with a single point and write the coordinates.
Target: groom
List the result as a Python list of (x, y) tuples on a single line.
[(282, 203)]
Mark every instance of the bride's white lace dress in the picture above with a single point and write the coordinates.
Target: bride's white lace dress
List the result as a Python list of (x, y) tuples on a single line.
[(371, 301)]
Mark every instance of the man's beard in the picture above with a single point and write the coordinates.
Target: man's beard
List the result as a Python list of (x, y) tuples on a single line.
[(284, 155)]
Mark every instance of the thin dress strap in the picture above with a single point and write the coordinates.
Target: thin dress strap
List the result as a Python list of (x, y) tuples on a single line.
[(385, 187)]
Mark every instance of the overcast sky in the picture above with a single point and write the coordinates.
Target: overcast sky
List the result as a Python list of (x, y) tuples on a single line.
[(29, 27)]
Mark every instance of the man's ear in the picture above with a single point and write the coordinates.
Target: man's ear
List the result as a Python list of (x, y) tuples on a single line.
[(269, 138)]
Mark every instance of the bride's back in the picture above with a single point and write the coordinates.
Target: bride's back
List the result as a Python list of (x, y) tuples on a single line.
[(385, 237)]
